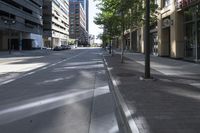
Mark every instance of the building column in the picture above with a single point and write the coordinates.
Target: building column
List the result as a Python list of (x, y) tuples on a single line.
[(52, 43), (1, 40), (20, 41), (141, 40), (177, 35), (160, 35)]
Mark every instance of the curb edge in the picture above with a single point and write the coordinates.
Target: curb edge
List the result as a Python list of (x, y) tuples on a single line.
[(128, 123)]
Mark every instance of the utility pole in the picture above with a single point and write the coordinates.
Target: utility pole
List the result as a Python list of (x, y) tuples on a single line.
[(123, 28), (147, 40)]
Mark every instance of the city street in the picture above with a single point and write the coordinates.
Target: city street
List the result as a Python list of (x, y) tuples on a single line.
[(58, 92)]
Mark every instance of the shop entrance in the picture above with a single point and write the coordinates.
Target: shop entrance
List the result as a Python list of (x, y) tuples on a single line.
[(190, 41), (166, 41)]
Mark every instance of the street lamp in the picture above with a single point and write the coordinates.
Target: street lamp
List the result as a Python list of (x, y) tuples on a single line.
[(9, 22), (147, 40)]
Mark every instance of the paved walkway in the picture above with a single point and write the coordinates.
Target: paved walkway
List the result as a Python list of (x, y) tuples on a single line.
[(168, 104)]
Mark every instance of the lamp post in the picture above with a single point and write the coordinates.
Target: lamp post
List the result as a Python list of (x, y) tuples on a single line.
[(147, 40), (9, 22)]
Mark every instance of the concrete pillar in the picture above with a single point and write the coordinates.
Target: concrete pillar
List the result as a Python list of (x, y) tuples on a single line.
[(160, 49), (177, 34), (142, 40), (52, 43), (20, 40), (5, 41), (1, 40), (139, 40)]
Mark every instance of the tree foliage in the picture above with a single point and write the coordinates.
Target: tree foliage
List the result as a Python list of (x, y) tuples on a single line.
[(116, 16), (133, 13)]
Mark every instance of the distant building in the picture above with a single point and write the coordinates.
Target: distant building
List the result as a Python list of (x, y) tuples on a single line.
[(19, 21), (56, 22), (91, 39), (85, 5), (78, 23)]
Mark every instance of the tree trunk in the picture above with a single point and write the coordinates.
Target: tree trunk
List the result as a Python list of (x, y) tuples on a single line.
[(110, 47), (131, 28), (122, 53), (131, 39)]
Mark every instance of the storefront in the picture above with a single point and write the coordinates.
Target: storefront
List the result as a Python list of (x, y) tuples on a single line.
[(192, 32), (166, 36)]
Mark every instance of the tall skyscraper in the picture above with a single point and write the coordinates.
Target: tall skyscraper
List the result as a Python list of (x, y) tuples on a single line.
[(78, 23), (85, 6)]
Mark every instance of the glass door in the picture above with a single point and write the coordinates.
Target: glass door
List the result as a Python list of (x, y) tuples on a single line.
[(190, 41)]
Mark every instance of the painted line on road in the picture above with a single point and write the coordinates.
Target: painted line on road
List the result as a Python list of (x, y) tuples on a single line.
[(41, 104), (43, 68), (7, 81)]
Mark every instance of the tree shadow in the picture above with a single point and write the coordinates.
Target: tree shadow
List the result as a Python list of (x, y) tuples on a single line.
[(157, 106)]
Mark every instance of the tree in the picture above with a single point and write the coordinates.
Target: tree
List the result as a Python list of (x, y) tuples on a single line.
[(119, 15), (108, 18)]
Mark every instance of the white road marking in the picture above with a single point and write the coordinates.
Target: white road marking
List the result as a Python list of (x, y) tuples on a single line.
[(43, 68)]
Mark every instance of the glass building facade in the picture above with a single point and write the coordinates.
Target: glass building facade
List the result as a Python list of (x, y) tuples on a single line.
[(192, 32)]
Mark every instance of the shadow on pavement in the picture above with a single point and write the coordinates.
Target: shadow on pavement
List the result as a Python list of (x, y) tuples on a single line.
[(157, 106)]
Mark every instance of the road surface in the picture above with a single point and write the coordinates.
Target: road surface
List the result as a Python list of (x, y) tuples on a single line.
[(62, 92)]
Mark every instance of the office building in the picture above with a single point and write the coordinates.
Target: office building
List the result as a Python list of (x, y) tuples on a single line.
[(19, 21), (56, 22), (78, 23), (85, 5)]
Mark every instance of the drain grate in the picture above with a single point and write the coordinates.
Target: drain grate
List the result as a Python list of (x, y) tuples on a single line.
[(126, 74)]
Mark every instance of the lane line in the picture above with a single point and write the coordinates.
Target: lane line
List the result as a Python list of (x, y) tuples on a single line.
[(40, 69)]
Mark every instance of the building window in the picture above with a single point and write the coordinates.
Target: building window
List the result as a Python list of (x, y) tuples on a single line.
[(166, 3), (198, 11), (190, 14), (57, 3), (192, 33)]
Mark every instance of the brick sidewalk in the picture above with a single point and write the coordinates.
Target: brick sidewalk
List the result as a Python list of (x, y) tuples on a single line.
[(168, 104)]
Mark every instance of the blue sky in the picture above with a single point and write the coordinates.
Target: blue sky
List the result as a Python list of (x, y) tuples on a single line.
[(93, 28)]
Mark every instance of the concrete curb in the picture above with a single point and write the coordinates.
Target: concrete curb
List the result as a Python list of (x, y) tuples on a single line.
[(128, 124)]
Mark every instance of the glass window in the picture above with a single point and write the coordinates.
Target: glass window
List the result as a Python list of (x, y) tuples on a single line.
[(190, 13), (190, 40), (166, 3), (198, 11)]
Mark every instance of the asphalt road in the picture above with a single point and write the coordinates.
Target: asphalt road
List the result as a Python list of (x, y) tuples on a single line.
[(62, 92)]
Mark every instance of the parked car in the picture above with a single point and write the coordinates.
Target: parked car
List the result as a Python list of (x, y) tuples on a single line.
[(68, 47), (57, 48), (64, 47)]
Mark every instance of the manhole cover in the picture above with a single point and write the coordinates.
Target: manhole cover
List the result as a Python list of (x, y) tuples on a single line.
[(125, 74)]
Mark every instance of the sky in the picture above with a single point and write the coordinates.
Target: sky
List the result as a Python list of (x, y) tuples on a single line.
[(93, 28)]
